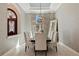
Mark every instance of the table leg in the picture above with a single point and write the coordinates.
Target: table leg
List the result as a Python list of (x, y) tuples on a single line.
[(35, 53), (45, 53), (25, 48)]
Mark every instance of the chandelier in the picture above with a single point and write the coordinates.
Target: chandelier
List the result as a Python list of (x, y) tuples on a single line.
[(39, 19), (40, 12)]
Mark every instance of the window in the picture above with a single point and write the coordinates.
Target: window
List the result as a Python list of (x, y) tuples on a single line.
[(11, 22)]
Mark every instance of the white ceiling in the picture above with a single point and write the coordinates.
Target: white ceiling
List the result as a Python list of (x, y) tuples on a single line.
[(38, 4), (35, 7)]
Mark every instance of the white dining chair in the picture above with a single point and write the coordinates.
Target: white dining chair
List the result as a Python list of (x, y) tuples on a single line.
[(25, 37), (53, 43), (52, 35), (27, 40)]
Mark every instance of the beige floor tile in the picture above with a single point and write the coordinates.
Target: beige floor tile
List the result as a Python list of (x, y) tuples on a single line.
[(62, 51)]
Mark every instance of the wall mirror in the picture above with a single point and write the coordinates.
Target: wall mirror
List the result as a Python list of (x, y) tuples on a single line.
[(52, 28)]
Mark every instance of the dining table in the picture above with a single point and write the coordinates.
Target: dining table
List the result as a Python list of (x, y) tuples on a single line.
[(40, 43)]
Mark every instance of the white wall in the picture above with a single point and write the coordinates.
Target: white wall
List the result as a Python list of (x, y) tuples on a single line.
[(3, 25), (27, 22), (68, 21), (5, 42), (3, 21), (23, 22)]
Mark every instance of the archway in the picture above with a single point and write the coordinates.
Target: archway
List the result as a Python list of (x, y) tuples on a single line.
[(11, 22)]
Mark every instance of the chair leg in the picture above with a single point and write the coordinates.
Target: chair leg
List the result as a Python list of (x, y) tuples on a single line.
[(45, 53), (28, 47), (56, 48), (25, 48), (34, 48), (47, 47)]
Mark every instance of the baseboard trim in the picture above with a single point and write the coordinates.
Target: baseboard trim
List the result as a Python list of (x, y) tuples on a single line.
[(68, 48)]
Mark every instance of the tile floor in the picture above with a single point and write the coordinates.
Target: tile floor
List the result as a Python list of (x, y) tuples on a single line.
[(62, 51)]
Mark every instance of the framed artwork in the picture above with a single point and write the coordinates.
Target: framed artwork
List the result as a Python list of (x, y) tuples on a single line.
[(11, 22)]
